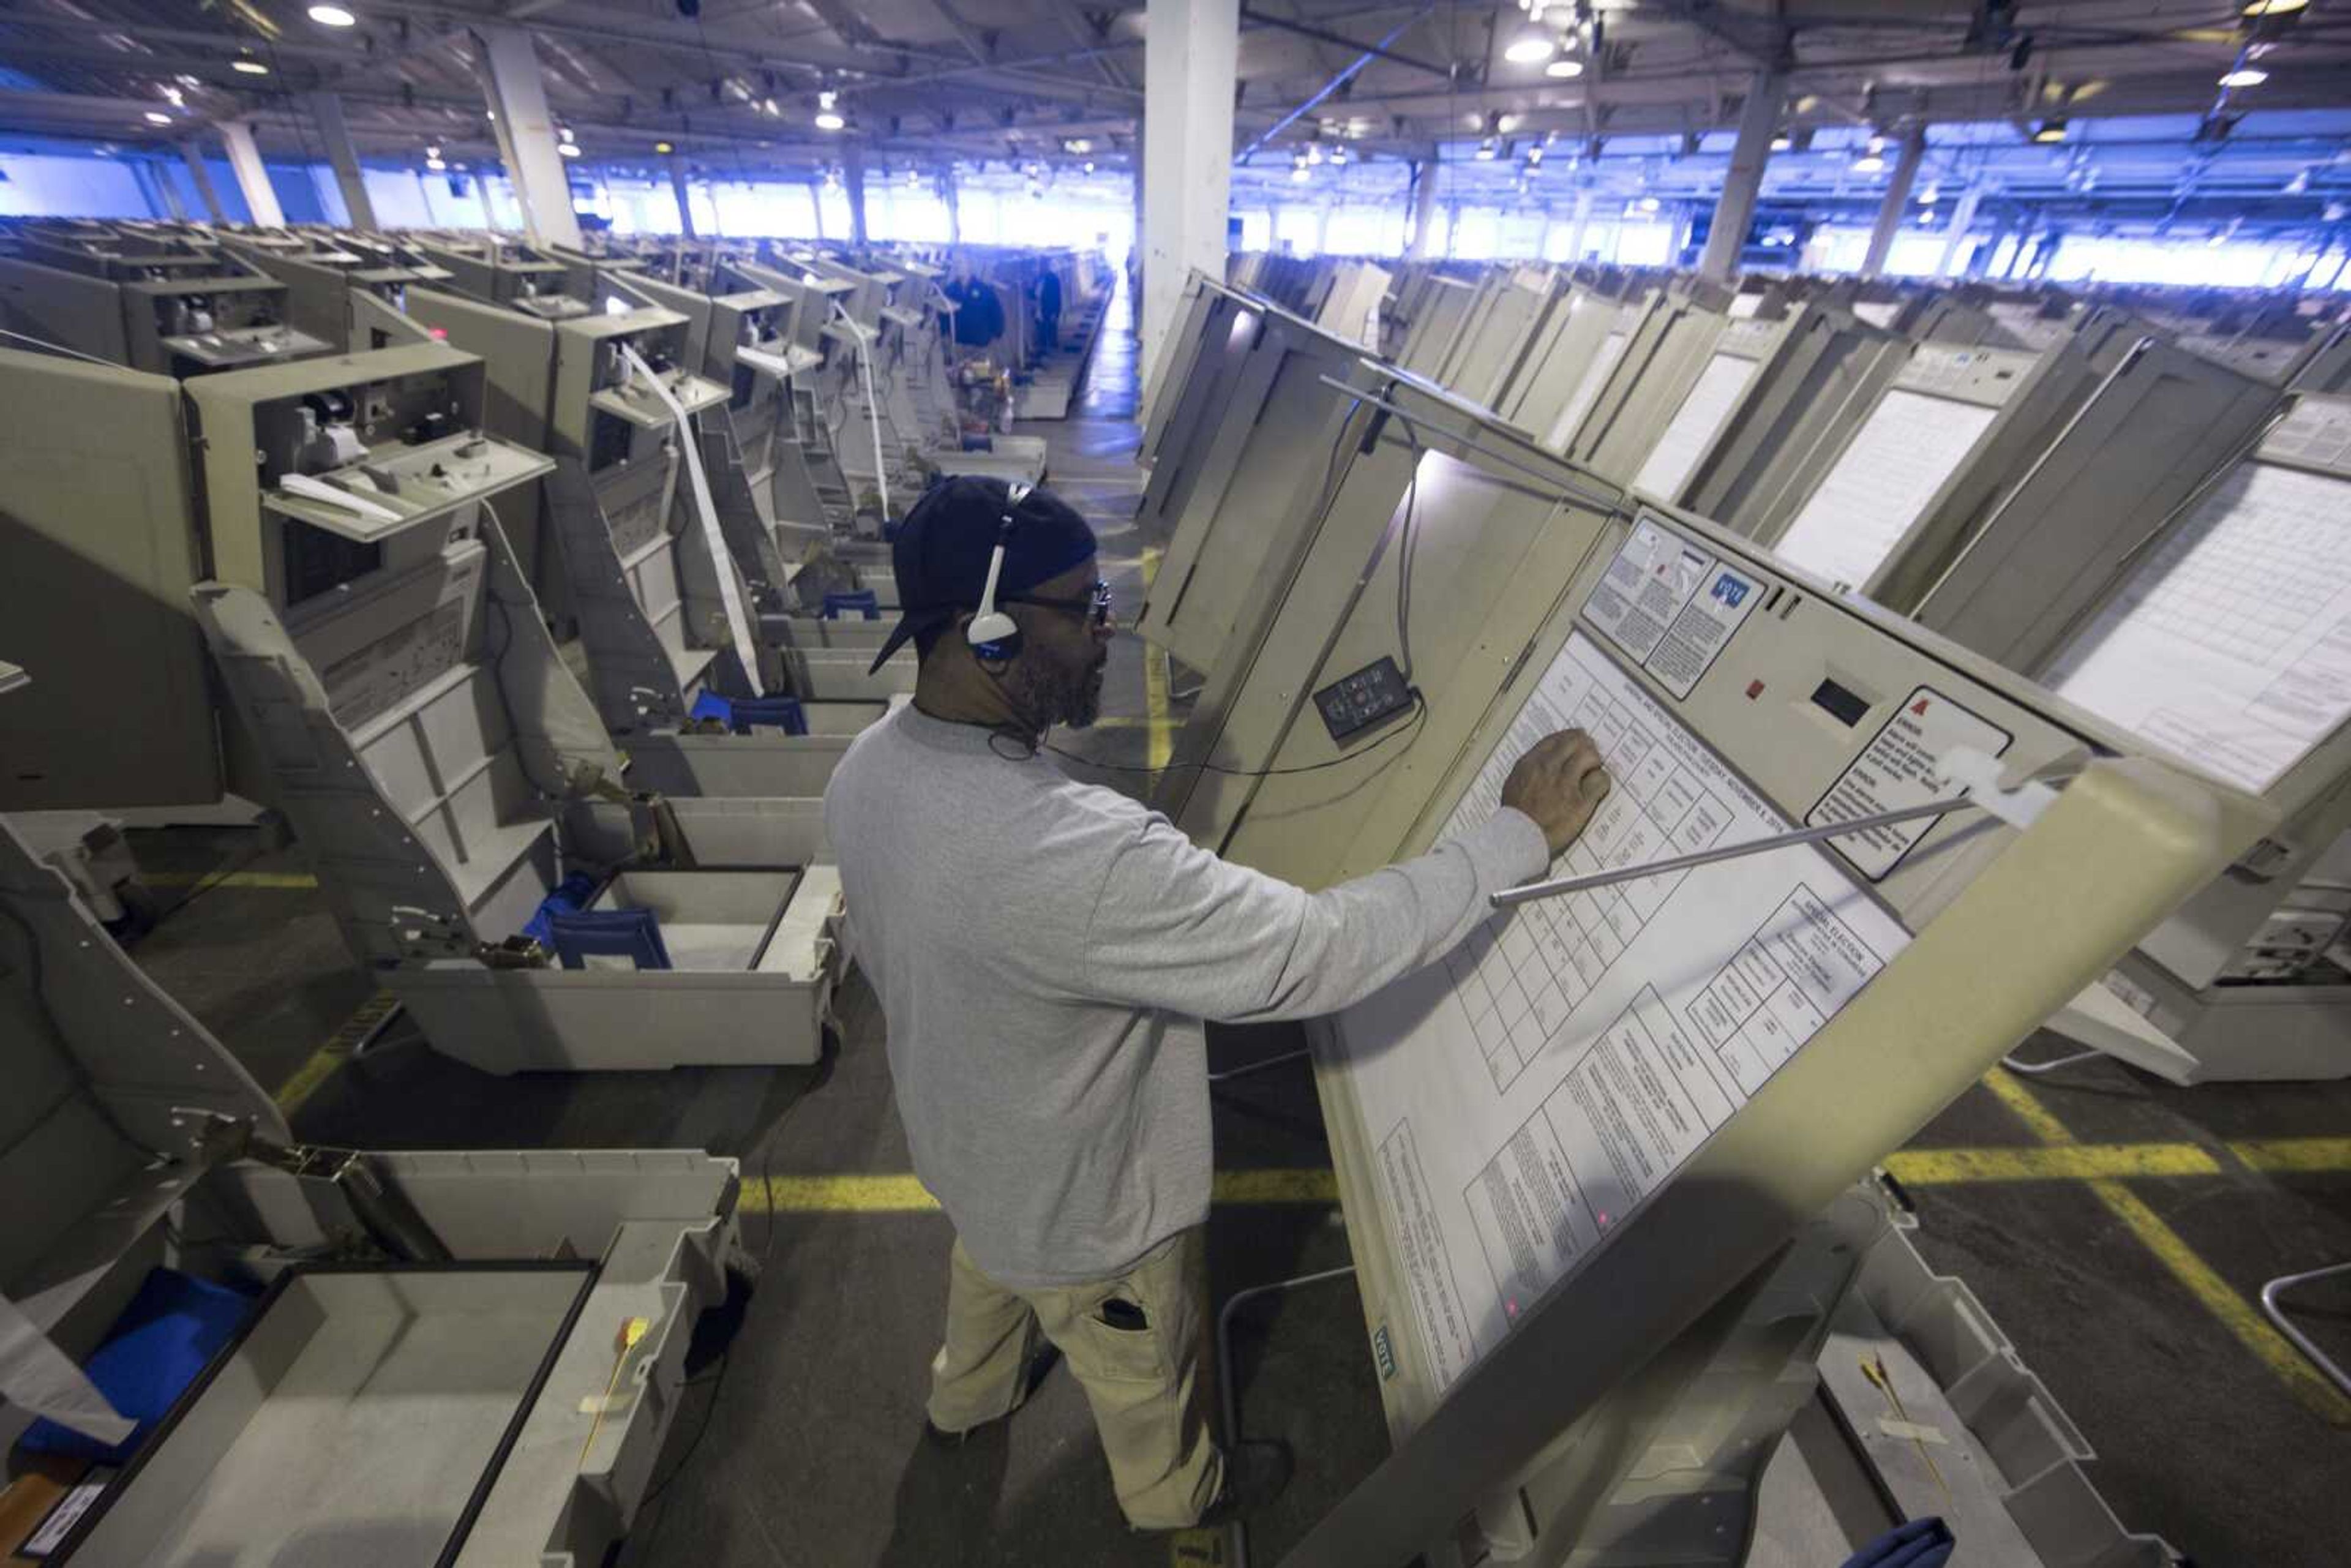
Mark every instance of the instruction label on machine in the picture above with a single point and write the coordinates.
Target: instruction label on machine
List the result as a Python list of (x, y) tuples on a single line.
[(1669, 604), (1534, 1091), (1896, 770)]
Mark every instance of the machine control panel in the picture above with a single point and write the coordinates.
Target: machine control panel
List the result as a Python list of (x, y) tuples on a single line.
[(1356, 702)]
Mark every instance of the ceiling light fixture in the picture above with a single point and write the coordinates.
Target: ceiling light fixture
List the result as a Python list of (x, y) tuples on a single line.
[(332, 16), (1530, 49), (663, 147), (1869, 163), (568, 149), (248, 66), (2244, 75), (157, 116), (2274, 8), (1649, 203), (1564, 70), (1486, 149), (2049, 131), (829, 117), (434, 164), (1783, 141), (432, 151)]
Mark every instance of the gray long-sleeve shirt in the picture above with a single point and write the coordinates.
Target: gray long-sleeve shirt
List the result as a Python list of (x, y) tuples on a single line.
[(1045, 950)]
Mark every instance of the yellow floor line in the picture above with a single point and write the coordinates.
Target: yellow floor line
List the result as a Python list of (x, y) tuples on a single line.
[(1197, 1549), (1154, 681), (898, 1193), (2222, 1302), (272, 879), (2295, 1154), (2070, 1162), (2013, 1093), (895, 1192), (333, 1054), (2201, 1281)]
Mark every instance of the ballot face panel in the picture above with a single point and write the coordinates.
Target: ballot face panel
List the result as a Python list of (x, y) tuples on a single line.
[(1524, 1098), (1909, 444), (1713, 397), (2229, 643)]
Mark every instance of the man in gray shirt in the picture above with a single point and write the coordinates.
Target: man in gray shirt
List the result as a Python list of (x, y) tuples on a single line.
[(1045, 950)]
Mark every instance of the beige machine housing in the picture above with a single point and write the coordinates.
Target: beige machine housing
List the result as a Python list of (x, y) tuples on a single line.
[(1508, 554), (118, 1152)]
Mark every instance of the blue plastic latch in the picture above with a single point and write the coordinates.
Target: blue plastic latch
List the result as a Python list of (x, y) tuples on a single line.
[(739, 713), (630, 934), (840, 602)]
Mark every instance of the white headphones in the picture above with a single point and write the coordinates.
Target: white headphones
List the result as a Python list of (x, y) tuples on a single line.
[(992, 633)]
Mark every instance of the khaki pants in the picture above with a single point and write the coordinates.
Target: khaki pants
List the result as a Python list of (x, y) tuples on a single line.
[(1144, 1384)]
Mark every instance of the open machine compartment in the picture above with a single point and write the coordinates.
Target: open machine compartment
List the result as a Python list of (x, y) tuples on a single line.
[(464, 1356), (446, 775)]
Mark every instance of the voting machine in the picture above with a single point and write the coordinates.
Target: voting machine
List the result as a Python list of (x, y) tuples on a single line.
[(2200, 605), (460, 1356), (1247, 434), (445, 772), (1950, 429), (1569, 1154), (1633, 408)]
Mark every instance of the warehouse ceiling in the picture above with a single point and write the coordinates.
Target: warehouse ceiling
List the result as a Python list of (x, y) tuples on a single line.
[(735, 84)]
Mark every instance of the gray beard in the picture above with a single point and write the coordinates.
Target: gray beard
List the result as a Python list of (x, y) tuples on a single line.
[(1051, 697)]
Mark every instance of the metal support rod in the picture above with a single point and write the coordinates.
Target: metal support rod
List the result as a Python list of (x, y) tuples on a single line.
[(1229, 1409), (1347, 73), (1610, 504), (2269, 1309), (1323, 35), (1530, 892)]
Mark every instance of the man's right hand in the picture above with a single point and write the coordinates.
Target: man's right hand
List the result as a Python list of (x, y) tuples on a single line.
[(1560, 782)]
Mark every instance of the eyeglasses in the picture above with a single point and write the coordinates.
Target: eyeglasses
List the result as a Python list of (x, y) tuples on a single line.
[(1094, 607)]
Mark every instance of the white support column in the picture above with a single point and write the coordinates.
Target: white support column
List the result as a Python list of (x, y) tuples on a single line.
[(203, 177), (1188, 169), (327, 108), (677, 189), (951, 197), (853, 180), (1424, 205), (516, 94), (816, 204), (1897, 202), (1734, 210), (252, 178), (1963, 218)]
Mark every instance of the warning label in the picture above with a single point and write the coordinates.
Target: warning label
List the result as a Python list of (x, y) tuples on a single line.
[(1669, 604), (1896, 770)]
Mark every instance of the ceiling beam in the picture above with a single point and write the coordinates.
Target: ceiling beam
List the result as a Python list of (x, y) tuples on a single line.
[(1323, 34)]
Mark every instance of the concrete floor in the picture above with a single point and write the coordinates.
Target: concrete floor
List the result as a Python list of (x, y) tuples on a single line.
[(802, 1446)]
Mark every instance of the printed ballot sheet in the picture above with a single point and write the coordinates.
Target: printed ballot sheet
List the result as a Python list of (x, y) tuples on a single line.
[(1710, 401), (1902, 453), (1530, 1093), (2230, 642)]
